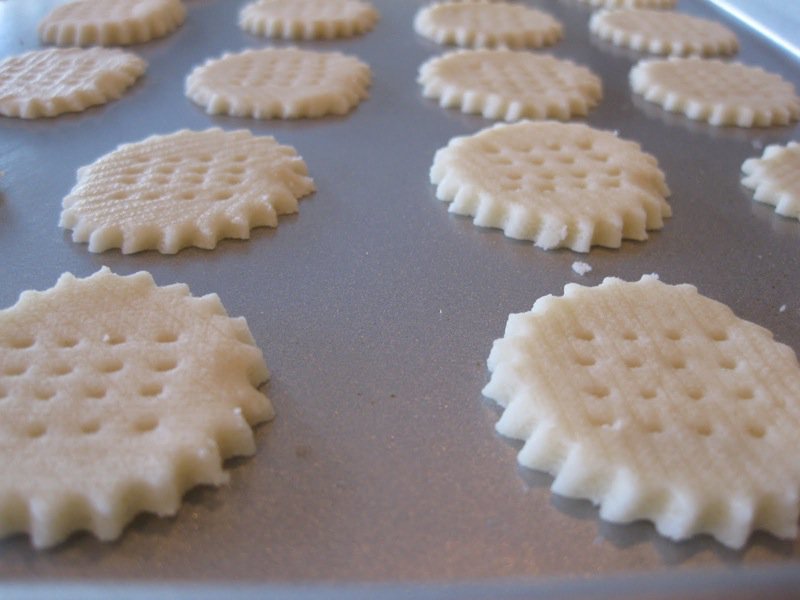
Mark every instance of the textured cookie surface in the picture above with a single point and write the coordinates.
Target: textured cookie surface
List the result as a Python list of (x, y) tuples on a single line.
[(308, 19), (720, 93), (775, 177), (659, 4), (510, 85), (487, 24), (46, 83), (656, 403), (188, 188), (660, 32), (283, 83), (557, 184), (117, 396), (110, 22)]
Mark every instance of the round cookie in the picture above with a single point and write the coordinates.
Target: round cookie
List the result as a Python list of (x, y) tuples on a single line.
[(110, 22), (655, 403), (116, 397), (721, 93), (556, 184), (510, 85), (189, 188), (279, 83), (660, 32), (308, 19), (478, 24), (47, 83), (775, 178)]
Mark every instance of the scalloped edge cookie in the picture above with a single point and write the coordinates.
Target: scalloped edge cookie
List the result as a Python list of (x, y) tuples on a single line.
[(481, 24), (53, 81), (720, 93), (308, 19), (110, 22), (556, 184), (510, 85), (118, 396), (774, 178), (655, 403), (188, 188), (279, 83), (661, 32)]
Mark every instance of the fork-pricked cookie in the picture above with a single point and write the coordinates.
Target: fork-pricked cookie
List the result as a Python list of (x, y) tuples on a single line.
[(116, 397), (110, 22), (308, 19), (510, 85), (557, 184), (655, 403), (480, 24), (189, 188), (660, 32), (47, 83), (775, 178), (279, 83), (720, 93)]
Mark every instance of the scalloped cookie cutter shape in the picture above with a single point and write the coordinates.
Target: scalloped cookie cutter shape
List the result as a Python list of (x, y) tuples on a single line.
[(487, 24), (655, 403), (510, 85), (775, 178), (279, 83), (308, 19), (110, 22), (116, 397), (47, 83), (660, 32), (189, 188), (657, 4), (720, 93), (557, 184)]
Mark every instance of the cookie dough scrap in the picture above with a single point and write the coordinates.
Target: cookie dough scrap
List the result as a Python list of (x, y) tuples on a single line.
[(47, 83), (110, 22), (720, 93), (480, 24), (556, 184), (279, 83), (657, 4), (660, 32), (655, 403), (775, 178), (308, 19), (510, 85), (116, 397), (189, 188)]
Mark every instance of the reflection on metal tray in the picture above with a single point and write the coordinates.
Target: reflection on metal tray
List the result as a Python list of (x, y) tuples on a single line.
[(376, 310)]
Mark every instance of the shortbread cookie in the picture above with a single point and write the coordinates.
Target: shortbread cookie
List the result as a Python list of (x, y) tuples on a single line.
[(720, 93), (46, 83), (659, 4), (557, 184), (660, 32), (510, 85), (282, 83), (478, 24), (188, 188), (308, 19), (116, 397), (110, 22), (655, 403), (775, 177)]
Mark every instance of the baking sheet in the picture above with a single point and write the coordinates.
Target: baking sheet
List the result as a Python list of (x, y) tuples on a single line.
[(376, 310)]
